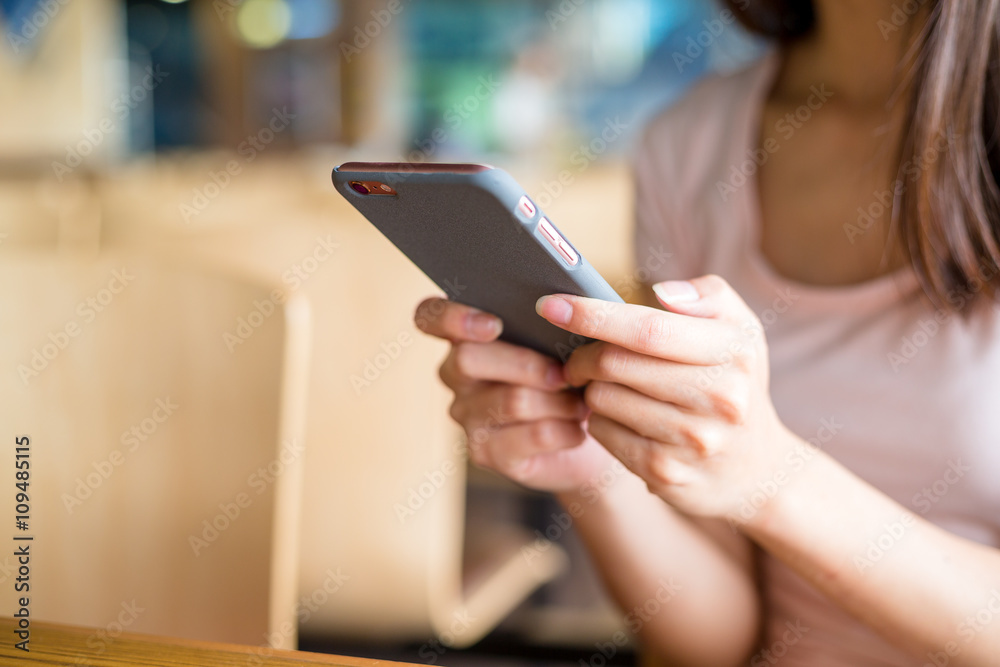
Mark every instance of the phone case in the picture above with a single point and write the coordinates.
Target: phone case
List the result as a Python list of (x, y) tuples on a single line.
[(467, 228)]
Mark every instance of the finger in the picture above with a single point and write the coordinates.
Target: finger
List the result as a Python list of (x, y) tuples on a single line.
[(707, 296), (681, 384), (659, 465), (513, 404), (551, 470), (500, 361), (641, 329), (693, 436), (510, 449), (455, 321), (455, 381)]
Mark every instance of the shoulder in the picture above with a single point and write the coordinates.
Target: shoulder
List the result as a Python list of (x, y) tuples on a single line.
[(683, 154), (713, 99), (694, 137)]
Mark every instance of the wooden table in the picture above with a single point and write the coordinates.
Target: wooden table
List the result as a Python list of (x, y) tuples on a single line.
[(61, 645)]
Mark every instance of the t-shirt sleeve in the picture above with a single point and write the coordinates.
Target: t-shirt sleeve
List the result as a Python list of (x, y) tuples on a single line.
[(665, 243)]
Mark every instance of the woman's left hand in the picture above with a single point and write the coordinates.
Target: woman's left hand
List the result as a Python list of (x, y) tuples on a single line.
[(680, 397)]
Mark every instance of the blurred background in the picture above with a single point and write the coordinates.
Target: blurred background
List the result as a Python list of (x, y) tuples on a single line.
[(237, 433)]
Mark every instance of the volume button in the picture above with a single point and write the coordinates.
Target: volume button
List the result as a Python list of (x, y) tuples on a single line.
[(549, 231), (568, 253), (558, 242)]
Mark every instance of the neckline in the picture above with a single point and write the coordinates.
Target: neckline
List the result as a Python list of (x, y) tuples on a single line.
[(895, 284)]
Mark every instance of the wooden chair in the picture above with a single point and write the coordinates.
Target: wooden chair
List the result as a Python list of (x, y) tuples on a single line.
[(165, 406)]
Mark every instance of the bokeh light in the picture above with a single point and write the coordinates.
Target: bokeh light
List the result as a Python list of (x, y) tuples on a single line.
[(263, 24), (312, 19)]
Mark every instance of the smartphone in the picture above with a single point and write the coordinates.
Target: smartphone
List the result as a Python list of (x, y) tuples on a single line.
[(478, 235)]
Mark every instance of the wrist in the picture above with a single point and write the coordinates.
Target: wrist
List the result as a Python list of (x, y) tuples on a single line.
[(615, 487), (795, 475)]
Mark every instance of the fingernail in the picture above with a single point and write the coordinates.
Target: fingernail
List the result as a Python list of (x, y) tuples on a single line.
[(676, 291), (483, 325), (554, 309), (554, 376)]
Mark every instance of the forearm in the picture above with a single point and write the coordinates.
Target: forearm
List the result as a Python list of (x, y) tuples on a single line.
[(918, 585), (680, 592)]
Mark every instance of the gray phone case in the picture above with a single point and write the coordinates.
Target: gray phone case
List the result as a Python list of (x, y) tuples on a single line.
[(463, 228)]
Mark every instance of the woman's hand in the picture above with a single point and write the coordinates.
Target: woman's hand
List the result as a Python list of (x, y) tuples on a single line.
[(680, 397), (515, 405)]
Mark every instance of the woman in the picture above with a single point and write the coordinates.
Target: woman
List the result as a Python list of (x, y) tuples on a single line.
[(809, 433)]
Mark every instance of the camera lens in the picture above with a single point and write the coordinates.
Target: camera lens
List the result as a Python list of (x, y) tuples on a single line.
[(359, 187)]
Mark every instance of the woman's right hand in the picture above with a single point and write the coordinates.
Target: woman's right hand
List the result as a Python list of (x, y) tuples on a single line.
[(519, 414)]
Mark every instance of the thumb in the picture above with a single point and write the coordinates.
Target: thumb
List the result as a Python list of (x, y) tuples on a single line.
[(707, 296)]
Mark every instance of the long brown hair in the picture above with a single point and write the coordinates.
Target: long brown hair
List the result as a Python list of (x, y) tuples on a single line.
[(946, 215)]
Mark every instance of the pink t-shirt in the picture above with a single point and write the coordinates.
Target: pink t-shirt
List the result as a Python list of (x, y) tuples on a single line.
[(904, 396)]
